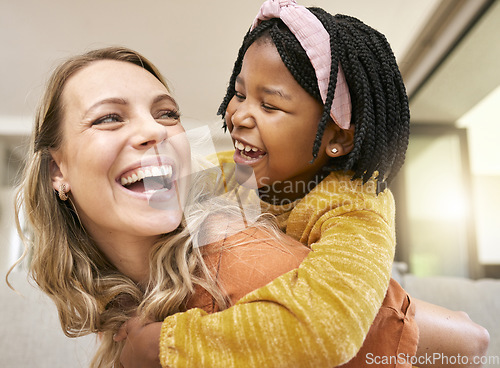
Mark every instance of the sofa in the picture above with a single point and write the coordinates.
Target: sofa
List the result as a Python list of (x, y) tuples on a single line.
[(31, 334), (32, 337), (480, 299)]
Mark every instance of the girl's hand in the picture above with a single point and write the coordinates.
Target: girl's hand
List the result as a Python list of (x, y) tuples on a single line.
[(142, 340)]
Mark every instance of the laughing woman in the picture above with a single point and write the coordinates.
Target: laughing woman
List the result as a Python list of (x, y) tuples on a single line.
[(91, 237)]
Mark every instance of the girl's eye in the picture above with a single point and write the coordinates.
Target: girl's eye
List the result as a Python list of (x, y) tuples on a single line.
[(110, 118), (269, 107), (239, 96)]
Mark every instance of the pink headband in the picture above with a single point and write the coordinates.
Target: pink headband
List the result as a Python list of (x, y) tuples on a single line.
[(316, 42)]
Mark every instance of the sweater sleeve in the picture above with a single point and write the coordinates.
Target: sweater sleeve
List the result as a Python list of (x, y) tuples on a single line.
[(315, 316)]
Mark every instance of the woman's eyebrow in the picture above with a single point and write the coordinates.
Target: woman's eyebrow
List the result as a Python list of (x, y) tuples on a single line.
[(111, 100), (122, 101), (164, 97)]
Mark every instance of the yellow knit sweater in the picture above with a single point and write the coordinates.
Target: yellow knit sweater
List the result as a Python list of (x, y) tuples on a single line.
[(315, 316)]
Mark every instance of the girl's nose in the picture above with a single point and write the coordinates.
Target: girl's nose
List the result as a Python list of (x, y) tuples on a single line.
[(242, 117)]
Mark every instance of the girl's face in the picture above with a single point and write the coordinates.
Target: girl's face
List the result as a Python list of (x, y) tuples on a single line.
[(273, 123), (124, 157)]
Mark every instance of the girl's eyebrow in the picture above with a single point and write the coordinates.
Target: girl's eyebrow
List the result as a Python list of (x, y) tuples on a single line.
[(268, 90), (276, 92)]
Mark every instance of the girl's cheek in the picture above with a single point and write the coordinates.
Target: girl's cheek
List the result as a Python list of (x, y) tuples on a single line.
[(227, 118)]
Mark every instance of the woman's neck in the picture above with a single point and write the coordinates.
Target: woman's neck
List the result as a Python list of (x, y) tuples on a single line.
[(129, 256)]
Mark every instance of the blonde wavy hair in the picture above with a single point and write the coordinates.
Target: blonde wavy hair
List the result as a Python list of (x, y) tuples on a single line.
[(91, 295)]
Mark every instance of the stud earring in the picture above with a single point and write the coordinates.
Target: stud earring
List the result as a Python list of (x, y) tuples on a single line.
[(335, 151), (62, 192)]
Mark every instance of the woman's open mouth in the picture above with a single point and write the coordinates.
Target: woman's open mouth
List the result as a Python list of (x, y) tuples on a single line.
[(148, 179)]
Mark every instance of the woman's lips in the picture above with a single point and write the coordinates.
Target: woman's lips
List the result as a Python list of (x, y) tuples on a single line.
[(142, 173), (163, 196), (150, 182)]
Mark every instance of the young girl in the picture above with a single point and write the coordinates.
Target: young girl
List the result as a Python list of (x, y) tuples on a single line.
[(319, 116)]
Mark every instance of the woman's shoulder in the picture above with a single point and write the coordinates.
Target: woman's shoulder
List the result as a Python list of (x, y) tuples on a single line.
[(250, 258)]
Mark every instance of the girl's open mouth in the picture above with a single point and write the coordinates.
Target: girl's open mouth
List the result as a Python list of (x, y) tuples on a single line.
[(246, 154)]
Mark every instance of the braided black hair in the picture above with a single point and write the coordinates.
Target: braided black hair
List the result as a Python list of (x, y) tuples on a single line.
[(380, 112)]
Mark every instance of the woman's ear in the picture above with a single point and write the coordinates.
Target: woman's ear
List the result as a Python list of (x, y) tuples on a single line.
[(56, 174), (341, 141)]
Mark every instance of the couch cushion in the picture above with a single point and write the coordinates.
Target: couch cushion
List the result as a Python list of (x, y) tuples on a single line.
[(480, 299), (31, 335)]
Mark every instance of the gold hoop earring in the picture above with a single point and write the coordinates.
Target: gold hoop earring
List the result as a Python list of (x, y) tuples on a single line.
[(62, 192)]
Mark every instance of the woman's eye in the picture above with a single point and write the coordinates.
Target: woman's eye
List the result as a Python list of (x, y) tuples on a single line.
[(169, 115), (111, 118)]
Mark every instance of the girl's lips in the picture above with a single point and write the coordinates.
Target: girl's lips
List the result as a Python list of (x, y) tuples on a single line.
[(249, 149), (246, 153), (241, 158)]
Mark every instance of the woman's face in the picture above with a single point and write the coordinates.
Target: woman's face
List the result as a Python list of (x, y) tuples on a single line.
[(124, 157)]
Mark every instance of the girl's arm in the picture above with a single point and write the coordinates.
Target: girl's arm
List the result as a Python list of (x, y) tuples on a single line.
[(445, 335), (315, 316), (140, 346)]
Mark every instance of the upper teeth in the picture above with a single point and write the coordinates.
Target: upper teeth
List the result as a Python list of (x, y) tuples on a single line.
[(244, 147), (147, 172)]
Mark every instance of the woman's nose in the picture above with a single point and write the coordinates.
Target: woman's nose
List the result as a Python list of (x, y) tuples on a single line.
[(149, 132)]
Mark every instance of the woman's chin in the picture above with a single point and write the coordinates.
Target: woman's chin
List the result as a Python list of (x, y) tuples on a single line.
[(163, 224)]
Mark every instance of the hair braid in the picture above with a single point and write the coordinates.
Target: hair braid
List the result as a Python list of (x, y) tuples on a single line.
[(332, 84), (380, 104), (360, 97), (377, 142)]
